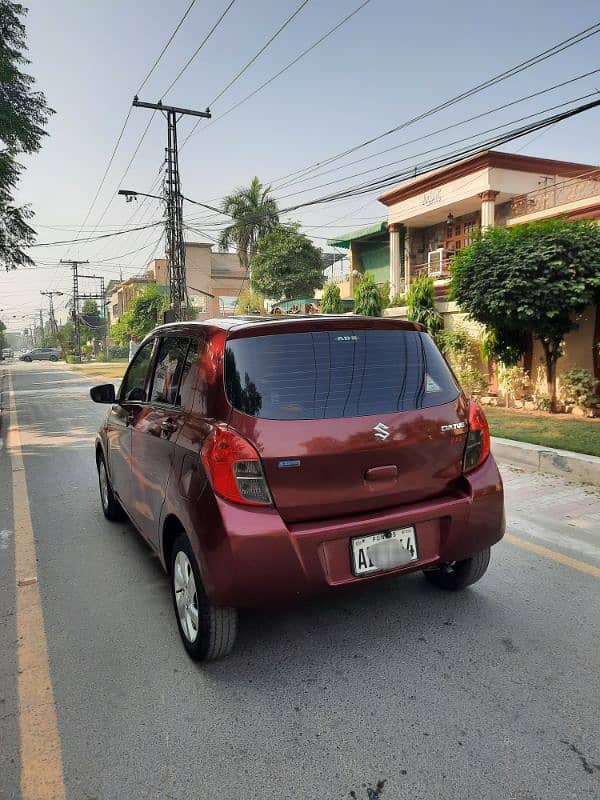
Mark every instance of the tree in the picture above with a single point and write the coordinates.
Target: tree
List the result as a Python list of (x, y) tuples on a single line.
[(254, 213), (23, 115), (530, 279), (249, 303), (142, 316), (421, 304), (286, 264), (90, 307), (331, 303), (367, 299)]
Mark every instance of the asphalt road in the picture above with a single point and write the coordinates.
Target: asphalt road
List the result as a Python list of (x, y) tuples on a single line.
[(395, 690)]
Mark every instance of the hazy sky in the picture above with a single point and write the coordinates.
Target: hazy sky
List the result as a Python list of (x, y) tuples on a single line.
[(389, 62)]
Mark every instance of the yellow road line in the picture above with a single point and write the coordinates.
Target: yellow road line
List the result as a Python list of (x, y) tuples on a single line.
[(553, 555), (41, 758)]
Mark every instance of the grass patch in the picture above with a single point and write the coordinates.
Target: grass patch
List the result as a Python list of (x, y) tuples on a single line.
[(550, 430), (107, 371)]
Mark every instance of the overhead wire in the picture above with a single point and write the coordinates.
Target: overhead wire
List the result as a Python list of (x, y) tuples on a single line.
[(266, 83), (429, 135), (559, 47)]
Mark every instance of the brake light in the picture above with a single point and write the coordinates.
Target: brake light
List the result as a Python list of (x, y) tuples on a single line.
[(478, 439), (234, 468)]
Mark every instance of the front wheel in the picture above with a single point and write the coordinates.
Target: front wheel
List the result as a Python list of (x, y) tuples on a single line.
[(457, 575), (208, 632), (27, 359), (53, 358)]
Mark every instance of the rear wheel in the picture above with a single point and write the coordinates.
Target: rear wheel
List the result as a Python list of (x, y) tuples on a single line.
[(53, 358), (457, 575), (110, 505), (208, 632)]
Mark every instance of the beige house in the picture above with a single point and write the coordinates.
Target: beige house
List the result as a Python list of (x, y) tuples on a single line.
[(212, 280), (431, 217)]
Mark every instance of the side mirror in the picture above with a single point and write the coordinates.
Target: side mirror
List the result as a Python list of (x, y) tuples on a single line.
[(105, 393)]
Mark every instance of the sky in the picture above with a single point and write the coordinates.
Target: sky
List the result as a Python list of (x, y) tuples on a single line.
[(389, 62)]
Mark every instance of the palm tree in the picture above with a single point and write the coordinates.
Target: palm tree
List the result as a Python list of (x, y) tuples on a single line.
[(253, 212)]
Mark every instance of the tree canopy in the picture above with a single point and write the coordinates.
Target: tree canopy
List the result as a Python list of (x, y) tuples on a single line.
[(142, 316), (286, 264), (253, 212), (23, 116), (530, 279)]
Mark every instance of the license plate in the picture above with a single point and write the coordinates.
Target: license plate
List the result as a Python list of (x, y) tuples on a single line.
[(382, 551)]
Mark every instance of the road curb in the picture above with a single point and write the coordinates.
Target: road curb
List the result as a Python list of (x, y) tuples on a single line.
[(3, 374), (572, 466)]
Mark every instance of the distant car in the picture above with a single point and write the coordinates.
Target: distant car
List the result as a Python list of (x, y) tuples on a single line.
[(7, 352), (41, 354), (265, 459)]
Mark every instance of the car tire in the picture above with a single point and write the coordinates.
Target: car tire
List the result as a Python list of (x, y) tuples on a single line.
[(111, 507), (208, 632), (53, 358), (458, 575), (28, 360)]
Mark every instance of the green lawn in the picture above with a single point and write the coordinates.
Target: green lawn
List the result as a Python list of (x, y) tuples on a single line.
[(551, 430)]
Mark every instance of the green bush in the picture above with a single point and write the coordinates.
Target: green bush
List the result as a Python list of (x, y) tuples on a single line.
[(101, 357), (461, 350), (398, 300), (421, 304), (367, 300), (384, 294), (331, 302), (579, 387), (118, 351)]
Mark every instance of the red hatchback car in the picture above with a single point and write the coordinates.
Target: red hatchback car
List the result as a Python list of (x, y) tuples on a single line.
[(265, 459)]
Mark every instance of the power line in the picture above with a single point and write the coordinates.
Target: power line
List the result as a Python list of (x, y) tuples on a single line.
[(164, 50), (195, 53), (502, 107), (577, 38), (439, 147), (449, 158), (260, 52), (101, 236), (281, 71)]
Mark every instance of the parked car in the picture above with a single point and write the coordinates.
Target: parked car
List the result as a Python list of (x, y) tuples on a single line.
[(266, 459), (41, 354), (7, 352)]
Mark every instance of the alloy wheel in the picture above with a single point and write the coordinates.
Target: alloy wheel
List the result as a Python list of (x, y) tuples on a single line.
[(186, 596)]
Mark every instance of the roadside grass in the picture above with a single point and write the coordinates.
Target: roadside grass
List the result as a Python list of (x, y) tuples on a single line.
[(550, 430), (111, 370)]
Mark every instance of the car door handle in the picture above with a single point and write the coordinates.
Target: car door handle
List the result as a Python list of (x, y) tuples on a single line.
[(168, 426)]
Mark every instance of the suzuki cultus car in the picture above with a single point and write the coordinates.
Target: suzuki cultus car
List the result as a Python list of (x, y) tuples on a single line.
[(266, 459)]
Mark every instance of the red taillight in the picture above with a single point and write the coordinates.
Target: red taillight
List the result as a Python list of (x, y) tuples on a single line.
[(234, 468), (478, 440)]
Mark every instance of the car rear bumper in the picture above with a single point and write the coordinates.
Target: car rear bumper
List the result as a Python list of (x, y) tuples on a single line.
[(256, 559)]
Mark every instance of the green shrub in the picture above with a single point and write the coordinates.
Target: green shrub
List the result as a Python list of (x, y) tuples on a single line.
[(384, 294), (398, 300), (579, 387), (421, 304), (250, 303), (543, 402), (331, 303), (461, 350), (367, 300), (118, 351), (512, 380), (101, 357)]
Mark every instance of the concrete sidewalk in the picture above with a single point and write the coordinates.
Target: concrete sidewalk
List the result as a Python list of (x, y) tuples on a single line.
[(570, 466)]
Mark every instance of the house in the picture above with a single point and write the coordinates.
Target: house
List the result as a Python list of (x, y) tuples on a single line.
[(213, 279)]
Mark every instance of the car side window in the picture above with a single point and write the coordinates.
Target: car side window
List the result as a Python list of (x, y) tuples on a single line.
[(169, 368), (133, 388), (189, 374)]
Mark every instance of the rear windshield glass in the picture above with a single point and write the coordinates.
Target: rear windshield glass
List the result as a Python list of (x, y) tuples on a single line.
[(333, 374)]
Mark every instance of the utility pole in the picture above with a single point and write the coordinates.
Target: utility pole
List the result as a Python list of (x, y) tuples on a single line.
[(98, 296), (174, 205), (50, 296), (75, 267), (42, 338)]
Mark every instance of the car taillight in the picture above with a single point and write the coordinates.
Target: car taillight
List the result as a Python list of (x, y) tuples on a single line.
[(234, 468), (478, 439)]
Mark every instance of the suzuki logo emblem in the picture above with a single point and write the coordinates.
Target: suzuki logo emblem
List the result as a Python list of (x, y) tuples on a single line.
[(381, 431)]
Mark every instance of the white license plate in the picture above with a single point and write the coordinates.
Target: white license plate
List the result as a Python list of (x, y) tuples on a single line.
[(383, 550)]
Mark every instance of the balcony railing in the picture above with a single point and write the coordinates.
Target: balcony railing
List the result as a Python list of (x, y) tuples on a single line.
[(555, 195), (440, 271)]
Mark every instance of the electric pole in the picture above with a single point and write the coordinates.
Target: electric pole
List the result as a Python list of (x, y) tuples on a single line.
[(50, 296), (174, 205), (75, 267), (42, 338)]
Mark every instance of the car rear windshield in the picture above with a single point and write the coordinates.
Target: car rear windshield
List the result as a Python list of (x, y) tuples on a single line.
[(333, 374)]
